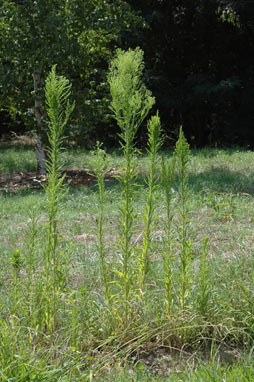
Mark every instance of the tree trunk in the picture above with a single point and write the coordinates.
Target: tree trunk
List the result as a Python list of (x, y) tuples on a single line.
[(38, 112)]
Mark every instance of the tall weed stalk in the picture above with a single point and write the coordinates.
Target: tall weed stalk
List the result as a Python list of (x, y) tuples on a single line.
[(100, 166), (57, 92), (167, 181), (16, 289), (204, 289), (34, 235), (154, 144), (182, 154), (130, 104)]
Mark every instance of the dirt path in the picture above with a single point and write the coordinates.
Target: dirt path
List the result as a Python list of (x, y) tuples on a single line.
[(30, 180)]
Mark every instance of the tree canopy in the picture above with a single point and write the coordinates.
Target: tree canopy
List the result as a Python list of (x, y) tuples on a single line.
[(198, 63), (200, 68), (78, 36)]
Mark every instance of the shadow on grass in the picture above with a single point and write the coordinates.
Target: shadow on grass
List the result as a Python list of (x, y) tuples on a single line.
[(13, 159), (24, 192), (221, 179), (213, 152), (216, 179)]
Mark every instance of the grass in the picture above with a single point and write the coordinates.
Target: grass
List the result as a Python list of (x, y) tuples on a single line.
[(16, 159), (221, 208)]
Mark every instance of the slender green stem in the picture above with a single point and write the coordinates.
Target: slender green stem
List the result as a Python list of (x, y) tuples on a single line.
[(185, 250), (131, 102), (154, 143), (100, 166), (167, 179), (57, 92)]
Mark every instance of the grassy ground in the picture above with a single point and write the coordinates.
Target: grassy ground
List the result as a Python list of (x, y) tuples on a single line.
[(84, 347)]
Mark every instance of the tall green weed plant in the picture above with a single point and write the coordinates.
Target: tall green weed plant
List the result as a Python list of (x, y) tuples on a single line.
[(169, 256), (204, 284), (36, 300), (59, 108), (100, 165), (182, 154), (154, 144), (126, 281), (131, 102)]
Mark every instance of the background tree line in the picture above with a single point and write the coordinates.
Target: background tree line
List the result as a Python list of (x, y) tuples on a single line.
[(198, 57)]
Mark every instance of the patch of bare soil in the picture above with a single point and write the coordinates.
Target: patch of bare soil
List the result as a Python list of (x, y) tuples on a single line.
[(31, 180), (163, 360)]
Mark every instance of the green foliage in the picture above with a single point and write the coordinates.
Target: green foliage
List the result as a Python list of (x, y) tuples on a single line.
[(16, 159), (223, 205), (77, 36), (218, 306), (57, 92), (186, 46), (154, 144), (167, 180), (131, 102), (100, 165), (18, 363), (200, 82), (16, 262), (182, 154), (32, 238), (109, 306), (204, 285)]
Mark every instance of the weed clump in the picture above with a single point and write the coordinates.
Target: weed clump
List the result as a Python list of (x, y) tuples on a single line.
[(150, 286)]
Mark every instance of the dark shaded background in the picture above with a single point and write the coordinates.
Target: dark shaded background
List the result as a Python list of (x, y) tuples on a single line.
[(199, 64)]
